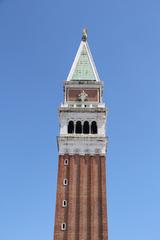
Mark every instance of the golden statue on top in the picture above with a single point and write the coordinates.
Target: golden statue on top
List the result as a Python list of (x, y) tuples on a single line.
[(84, 34)]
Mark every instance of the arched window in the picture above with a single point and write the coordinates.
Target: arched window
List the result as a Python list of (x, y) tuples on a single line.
[(66, 162), (63, 226), (64, 203), (78, 127), (65, 181), (86, 127), (71, 127), (93, 127)]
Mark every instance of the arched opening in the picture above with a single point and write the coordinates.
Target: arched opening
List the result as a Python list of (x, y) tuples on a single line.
[(71, 127), (65, 182), (64, 203), (93, 127), (66, 162), (86, 127), (63, 226), (78, 127)]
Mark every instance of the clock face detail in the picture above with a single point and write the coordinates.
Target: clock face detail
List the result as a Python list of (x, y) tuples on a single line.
[(83, 96)]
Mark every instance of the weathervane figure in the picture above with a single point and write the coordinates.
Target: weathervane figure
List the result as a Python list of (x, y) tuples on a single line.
[(84, 34)]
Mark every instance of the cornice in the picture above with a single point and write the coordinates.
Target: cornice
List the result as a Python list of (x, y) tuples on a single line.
[(82, 145)]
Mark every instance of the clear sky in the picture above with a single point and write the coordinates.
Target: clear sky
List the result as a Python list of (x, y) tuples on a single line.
[(38, 41)]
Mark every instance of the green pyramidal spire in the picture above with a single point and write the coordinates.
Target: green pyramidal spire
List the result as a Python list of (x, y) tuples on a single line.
[(83, 67)]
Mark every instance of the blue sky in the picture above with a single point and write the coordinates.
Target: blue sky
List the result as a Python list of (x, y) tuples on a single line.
[(38, 41)]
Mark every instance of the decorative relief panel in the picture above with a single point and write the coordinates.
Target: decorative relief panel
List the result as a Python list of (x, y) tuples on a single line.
[(73, 94)]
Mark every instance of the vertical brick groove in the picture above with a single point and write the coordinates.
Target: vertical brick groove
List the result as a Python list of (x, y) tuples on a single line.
[(94, 199), (104, 205), (83, 199), (88, 197), (77, 198), (99, 197)]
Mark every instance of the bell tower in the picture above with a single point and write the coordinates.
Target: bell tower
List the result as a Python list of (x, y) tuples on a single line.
[(81, 212)]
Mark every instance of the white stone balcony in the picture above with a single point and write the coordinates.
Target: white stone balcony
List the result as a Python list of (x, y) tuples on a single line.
[(83, 105)]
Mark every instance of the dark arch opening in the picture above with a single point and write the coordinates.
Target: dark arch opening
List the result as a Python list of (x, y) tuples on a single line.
[(71, 127), (93, 127), (78, 127), (86, 127)]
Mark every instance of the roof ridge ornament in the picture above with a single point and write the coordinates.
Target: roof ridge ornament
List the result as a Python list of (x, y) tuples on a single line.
[(84, 34)]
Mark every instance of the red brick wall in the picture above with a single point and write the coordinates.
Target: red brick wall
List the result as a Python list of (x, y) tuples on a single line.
[(86, 213)]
